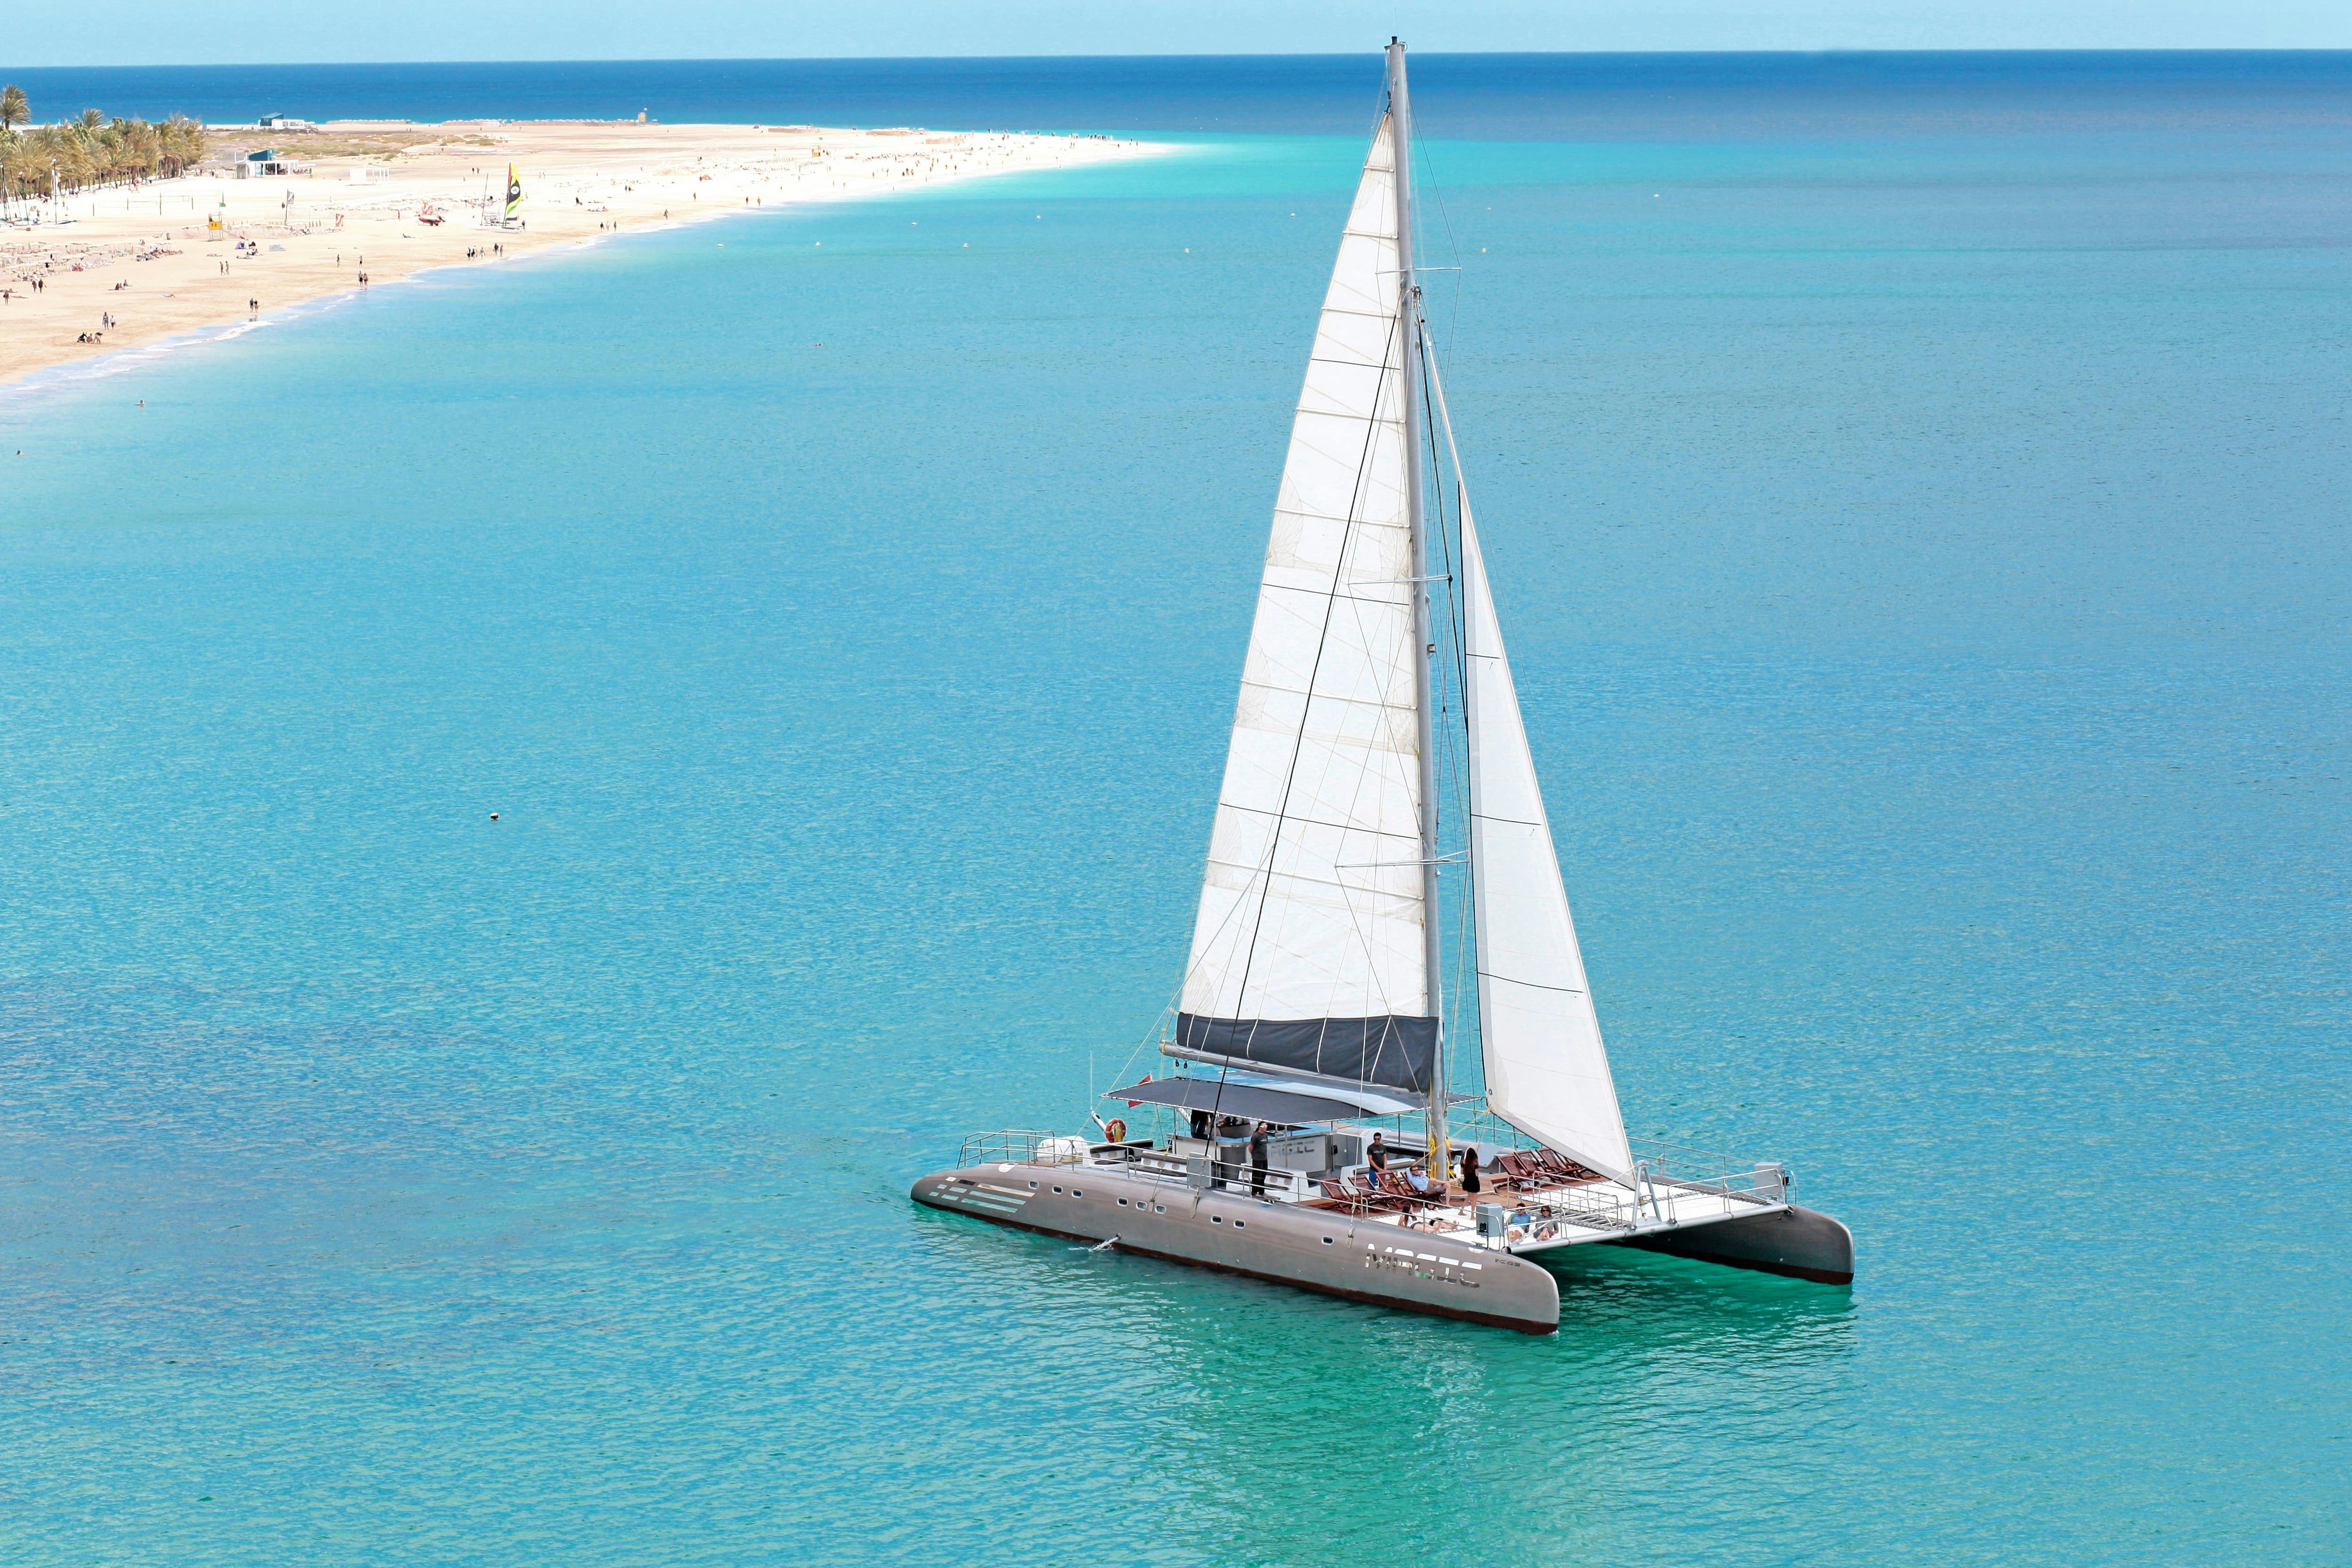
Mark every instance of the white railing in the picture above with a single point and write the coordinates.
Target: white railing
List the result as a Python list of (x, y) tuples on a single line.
[(1699, 1170), (1136, 1156), (1270, 1182), (1660, 1169), (1014, 1146)]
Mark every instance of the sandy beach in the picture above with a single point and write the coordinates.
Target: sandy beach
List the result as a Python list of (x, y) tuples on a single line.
[(381, 200)]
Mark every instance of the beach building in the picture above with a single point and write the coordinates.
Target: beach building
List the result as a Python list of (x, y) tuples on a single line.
[(267, 160)]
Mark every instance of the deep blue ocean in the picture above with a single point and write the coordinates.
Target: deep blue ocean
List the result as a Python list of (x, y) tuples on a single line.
[(1915, 488)]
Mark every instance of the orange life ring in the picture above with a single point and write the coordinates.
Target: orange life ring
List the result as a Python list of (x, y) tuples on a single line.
[(1115, 1131)]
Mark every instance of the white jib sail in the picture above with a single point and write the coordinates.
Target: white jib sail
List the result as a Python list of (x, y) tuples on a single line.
[(1547, 1074), (1311, 906)]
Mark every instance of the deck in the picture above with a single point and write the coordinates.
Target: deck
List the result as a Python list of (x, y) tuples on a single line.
[(1672, 1191), (1547, 1219)]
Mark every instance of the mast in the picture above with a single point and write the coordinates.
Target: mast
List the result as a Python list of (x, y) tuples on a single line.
[(1409, 326)]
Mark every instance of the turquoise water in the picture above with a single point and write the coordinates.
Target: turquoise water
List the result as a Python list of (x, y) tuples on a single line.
[(1926, 565)]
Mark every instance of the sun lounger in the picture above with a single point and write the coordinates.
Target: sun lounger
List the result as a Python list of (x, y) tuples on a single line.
[(1562, 1167), (1521, 1170), (1393, 1185)]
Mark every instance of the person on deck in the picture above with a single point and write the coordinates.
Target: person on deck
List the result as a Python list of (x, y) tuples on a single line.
[(1376, 1159), (1257, 1160), (1470, 1183)]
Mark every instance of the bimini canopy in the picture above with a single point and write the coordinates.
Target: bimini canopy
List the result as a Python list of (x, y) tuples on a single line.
[(1289, 1107)]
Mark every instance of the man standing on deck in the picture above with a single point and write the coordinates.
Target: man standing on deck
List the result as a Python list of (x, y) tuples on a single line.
[(1257, 1160)]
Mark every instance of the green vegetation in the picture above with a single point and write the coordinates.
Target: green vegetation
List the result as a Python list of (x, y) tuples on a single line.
[(309, 146), (90, 151)]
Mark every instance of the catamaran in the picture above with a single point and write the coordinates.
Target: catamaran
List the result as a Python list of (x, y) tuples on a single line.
[(1309, 1128)]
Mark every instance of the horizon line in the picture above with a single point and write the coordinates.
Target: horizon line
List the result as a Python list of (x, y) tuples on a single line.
[(1824, 53)]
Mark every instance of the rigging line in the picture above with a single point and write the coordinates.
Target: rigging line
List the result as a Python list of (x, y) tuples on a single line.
[(1322, 640), (1282, 817), (1348, 901), (1457, 614), (1175, 1002), (1457, 603), (1366, 777), (1444, 545), (1445, 220), (1535, 984), (1459, 608), (1264, 874), (1174, 1005), (1307, 703), (1449, 747)]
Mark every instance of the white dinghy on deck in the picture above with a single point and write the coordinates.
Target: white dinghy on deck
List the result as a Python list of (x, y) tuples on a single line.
[(1312, 1026)]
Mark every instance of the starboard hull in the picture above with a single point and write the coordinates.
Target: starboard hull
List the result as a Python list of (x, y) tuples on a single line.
[(1801, 1243), (1310, 1249)]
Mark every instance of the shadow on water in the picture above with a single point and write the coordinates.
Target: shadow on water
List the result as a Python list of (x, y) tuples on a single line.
[(1251, 1400)]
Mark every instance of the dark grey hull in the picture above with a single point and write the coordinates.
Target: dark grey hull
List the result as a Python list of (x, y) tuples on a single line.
[(1313, 1249), (1797, 1242)]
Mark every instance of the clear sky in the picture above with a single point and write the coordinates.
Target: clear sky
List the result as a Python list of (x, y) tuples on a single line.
[(135, 32)]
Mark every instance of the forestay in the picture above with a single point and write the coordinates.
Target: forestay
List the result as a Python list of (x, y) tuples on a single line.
[(1547, 1073), (1307, 949)]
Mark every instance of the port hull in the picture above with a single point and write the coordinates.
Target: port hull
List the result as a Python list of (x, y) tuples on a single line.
[(1283, 1244), (1801, 1243)]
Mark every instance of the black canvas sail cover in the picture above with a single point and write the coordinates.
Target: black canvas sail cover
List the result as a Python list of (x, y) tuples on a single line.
[(1392, 1053), (1309, 947)]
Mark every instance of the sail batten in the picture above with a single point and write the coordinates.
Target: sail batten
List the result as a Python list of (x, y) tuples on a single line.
[(1310, 923)]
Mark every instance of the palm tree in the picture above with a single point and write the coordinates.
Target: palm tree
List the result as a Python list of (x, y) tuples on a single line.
[(13, 110), (179, 142), (95, 149)]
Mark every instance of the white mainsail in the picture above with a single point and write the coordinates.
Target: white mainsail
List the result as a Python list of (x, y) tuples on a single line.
[(1547, 1073), (1307, 951)]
